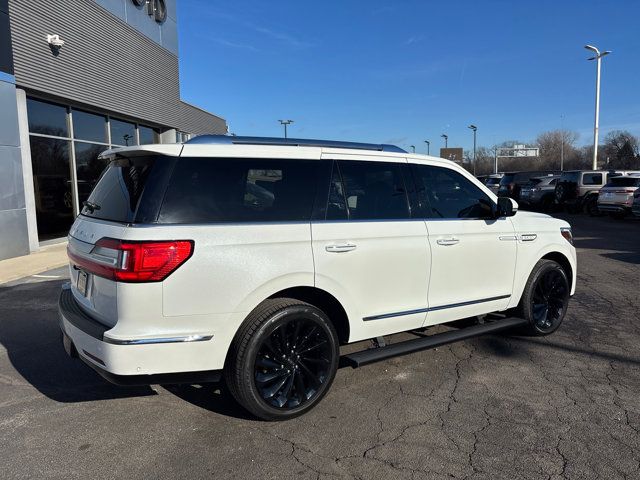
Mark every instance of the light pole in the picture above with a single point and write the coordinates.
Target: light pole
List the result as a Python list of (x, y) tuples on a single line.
[(428, 145), (284, 123), (446, 140), (474, 128), (561, 142), (598, 57), (413, 148)]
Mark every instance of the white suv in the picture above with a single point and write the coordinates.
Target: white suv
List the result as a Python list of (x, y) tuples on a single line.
[(254, 259)]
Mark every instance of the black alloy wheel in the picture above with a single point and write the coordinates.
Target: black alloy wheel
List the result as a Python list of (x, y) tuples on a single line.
[(292, 363), (283, 359), (549, 298), (545, 298)]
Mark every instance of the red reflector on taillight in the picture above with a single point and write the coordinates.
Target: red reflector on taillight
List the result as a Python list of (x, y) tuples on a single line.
[(136, 261)]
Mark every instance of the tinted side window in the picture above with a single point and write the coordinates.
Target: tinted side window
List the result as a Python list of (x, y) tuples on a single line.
[(337, 204), (213, 190), (592, 179), (448, 194), (374, 190)]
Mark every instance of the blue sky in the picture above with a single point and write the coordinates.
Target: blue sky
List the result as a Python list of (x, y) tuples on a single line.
[(407, 71)]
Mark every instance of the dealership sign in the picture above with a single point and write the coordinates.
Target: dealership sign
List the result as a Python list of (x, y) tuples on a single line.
[(155, 8)]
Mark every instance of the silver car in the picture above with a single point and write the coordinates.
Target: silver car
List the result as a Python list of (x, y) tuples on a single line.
[(617, 196)]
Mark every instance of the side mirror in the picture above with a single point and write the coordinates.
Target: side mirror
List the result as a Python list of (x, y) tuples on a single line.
[(506, 207)]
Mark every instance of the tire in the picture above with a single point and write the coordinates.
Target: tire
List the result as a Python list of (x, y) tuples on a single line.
[(266, 371), (547, 204), (591, 206), (545, 298)]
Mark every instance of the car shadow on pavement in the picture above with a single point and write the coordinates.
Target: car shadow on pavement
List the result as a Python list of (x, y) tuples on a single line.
[(30, 334), (212, 397)]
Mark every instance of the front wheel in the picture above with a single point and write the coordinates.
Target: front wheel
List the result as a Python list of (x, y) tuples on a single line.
[(545, 298), (283, 359)]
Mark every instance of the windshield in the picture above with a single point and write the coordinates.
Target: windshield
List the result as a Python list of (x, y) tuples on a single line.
[(507, 179), (492, 181)]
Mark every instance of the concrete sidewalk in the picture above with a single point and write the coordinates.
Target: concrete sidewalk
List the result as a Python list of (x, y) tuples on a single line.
[(46, 258)]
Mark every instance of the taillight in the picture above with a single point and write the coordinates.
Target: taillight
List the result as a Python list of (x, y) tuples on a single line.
[(511, 186), (578, 190), (126, 261), (624, 191)]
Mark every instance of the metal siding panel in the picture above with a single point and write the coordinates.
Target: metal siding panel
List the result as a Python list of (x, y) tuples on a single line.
[(11, 180), (104, 63), (15, 241)]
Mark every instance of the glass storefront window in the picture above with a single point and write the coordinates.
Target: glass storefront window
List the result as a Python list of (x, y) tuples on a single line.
[(147, 135), (88, 167), (123, 133), (52, 186), (89, 126), (47, 118)]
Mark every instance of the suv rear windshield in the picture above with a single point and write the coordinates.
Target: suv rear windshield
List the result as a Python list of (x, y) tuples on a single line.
[(624, 182), (492, 181), (118, 195), (507, 178)]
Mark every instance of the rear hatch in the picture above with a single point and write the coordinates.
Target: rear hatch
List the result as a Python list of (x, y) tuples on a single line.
[(129, 191), (619, 191)]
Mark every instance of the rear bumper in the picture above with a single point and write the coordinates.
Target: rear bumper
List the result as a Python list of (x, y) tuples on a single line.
[(169, 360), (612, 207)]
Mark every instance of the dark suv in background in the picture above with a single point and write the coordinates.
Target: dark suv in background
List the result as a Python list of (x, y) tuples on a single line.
[(512, 182)]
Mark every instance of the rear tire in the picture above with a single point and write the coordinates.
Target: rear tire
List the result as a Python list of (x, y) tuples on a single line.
[(591, 206), (283, 359), (545, 298)]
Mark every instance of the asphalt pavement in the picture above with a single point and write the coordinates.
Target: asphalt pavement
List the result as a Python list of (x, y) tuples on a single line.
[(563, 406)]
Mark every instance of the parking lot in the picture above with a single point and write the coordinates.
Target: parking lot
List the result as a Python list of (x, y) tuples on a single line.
[(564, 406)]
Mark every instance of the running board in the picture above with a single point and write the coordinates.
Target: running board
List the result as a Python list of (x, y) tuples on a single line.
[(364, 357)]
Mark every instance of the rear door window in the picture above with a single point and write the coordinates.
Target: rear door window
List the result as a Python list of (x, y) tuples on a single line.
[(372, 191), (219, 190)]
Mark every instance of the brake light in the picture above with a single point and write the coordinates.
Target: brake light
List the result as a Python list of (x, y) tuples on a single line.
[(125, 261), (578, 190), (624, 191)]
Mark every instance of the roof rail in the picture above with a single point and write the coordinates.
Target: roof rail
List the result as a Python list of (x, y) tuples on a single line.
[(295, 142)]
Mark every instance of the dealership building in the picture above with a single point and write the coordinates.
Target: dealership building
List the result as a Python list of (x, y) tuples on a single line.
[(78, 77)]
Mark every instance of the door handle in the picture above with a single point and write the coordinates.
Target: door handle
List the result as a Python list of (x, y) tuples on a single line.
[(447, 241), (343, 247)]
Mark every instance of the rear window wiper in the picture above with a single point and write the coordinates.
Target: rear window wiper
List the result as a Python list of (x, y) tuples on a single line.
[(92, 207)]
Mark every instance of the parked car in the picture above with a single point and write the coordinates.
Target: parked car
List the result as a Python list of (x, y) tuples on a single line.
[(512, 182), (493, 182), (635, 207), (577, 190), (616, 197), (183, 272), (539, 193)]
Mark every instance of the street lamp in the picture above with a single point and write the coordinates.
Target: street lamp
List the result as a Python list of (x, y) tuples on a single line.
[(284, 123), (474, 128), (446, 140), (598, 57), (428, 145), (413, 148)]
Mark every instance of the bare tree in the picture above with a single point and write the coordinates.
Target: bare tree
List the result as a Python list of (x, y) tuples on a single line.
[(556, 147), (621, 150)]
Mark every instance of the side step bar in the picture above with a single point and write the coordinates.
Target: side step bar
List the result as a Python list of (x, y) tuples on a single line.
[(358, 359)]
